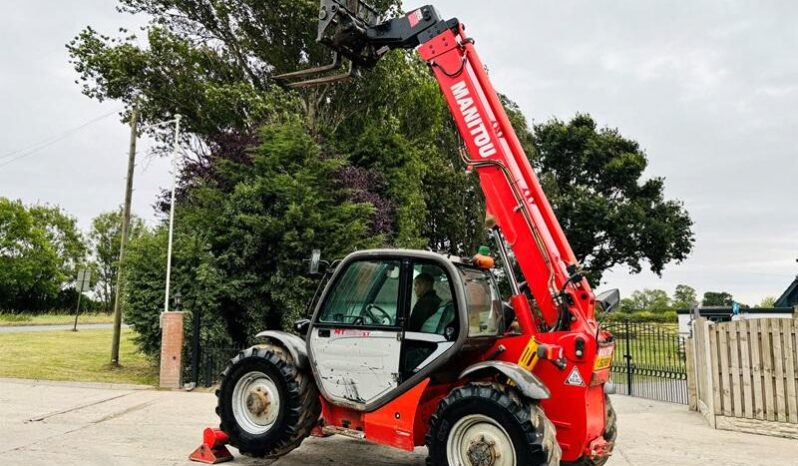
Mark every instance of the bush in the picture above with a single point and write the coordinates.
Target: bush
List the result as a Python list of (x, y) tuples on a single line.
[(145, 276)]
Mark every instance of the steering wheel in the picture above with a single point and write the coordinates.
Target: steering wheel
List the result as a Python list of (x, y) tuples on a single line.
[(385, 318)]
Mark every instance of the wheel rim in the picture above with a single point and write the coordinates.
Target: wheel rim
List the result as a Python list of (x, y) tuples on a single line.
[(256, 402), (477, 440)]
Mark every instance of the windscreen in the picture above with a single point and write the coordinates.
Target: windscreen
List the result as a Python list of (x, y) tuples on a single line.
[(483, 303)]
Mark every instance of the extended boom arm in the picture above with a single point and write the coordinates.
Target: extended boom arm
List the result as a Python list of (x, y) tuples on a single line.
[(512, 191)]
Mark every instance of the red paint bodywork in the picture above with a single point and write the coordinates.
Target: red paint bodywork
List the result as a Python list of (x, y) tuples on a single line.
[(516, 200)]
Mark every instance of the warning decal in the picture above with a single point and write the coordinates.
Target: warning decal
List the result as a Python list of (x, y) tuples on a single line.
[(415, 18), (575, 378)]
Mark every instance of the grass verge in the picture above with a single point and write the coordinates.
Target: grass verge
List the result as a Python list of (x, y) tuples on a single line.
[(76, 356), (14, 320)]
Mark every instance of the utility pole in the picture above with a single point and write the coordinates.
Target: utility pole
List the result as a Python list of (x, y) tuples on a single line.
[(131, 163), (172, 212)]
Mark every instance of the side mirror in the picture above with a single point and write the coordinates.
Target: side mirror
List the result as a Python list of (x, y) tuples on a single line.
[(301, 326), (609, 300)]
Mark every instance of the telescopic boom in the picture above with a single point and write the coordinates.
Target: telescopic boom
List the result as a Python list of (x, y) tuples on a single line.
[(512, 191)]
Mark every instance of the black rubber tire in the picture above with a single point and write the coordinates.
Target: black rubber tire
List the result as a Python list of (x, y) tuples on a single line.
[(299, 402), (610, 434), (532, 433)]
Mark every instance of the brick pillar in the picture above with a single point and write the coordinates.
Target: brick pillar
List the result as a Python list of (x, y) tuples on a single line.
[(171, 349)]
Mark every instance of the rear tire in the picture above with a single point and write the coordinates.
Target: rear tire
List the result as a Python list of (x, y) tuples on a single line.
[(266, 405), (610, 434), (490, 423)]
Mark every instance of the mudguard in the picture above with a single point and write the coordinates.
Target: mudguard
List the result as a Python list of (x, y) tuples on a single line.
[(295, 345), (528, 383)]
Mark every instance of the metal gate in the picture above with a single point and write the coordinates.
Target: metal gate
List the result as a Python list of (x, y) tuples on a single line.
[(649, 361), (205, 360)]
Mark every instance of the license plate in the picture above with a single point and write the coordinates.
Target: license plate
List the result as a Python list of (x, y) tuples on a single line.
[(604, 357)]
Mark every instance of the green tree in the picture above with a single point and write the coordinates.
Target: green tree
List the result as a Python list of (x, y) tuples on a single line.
[(213, 62), (649, 300), (389, 136), (593, 178), (241, 243), (685, 297), (106, 237), (30, 268), (717, 298), (66, 240), (767, 302)]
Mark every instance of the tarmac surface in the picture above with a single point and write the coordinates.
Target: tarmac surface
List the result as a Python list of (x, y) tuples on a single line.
[(71, 424)]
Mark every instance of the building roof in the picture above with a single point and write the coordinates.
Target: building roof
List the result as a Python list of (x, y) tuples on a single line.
[(790, 296)]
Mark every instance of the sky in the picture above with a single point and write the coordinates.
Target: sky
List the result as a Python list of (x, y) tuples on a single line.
[(709, 89)]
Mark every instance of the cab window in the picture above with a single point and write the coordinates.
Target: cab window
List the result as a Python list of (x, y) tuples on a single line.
[(366, 294), (483, 303), (432, 306)]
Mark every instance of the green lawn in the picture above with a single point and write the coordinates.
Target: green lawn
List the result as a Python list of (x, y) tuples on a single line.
[(12, 320), (78, 356)]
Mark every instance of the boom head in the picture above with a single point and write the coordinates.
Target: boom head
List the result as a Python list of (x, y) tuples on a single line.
[(355, 31), (342, 28)]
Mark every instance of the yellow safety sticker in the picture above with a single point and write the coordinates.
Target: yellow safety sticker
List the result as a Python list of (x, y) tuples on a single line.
[(604, 357)]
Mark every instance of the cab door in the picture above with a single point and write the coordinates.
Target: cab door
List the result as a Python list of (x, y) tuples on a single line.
[(356, 338), (432, 324)]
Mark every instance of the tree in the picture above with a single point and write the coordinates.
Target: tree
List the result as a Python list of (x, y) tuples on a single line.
[(389, 137), (655, 301), (767, 302), (241, 244), (30, 273), (106, 238), (717, 298), (66, 240), (685, 297), (611, 216)]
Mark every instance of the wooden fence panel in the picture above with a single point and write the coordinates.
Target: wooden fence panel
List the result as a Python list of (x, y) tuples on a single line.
[(756, 368), (746, 375), (725, 379), (715, 368), (767, 368), (734, 368), (787, 330), (745, 369), (778, 362)]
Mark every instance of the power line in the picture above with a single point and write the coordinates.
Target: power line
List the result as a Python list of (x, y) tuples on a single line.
[(52, 138), (36, 147)]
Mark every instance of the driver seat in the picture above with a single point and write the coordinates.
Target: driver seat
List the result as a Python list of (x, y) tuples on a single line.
[(447, 319)]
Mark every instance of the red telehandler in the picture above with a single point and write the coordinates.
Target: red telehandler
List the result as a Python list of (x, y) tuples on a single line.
[(410, 348)]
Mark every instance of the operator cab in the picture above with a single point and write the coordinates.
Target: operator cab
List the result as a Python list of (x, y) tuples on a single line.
[(388, 319)]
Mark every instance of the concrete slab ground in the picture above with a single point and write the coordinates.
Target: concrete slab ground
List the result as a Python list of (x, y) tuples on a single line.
[(42, 424)]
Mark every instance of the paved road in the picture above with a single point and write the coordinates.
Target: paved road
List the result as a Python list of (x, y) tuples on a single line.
[(42, 424), (49, 328)]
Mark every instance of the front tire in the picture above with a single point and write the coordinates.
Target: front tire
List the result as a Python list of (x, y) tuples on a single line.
[(490, 424), (266, 405)]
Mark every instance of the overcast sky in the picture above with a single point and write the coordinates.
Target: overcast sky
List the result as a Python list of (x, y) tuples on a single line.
[(709, 89)]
